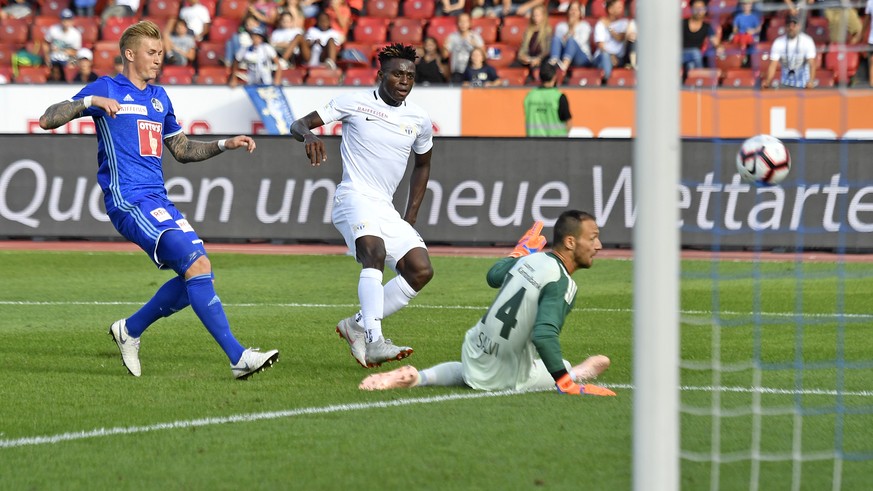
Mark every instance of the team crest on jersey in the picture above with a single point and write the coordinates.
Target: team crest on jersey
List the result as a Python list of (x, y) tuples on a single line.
[(157, 105), (408, 129), (150, 138)]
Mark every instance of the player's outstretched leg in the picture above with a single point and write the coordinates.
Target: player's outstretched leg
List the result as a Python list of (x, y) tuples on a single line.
[(253, 361), (402, 378), (354, 334), (383, 350), (127, 345), (591, 368)]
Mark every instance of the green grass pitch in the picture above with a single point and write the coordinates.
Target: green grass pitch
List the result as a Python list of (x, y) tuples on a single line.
[(72, 418)]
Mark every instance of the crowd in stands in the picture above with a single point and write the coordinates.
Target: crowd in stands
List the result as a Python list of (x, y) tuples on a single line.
[(474, 43)]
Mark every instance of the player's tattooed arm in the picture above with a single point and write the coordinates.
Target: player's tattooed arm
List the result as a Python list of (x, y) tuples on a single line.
[(185, 150), (61, 113)]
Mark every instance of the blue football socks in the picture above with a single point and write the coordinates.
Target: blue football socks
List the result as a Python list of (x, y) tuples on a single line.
[(170, 298), (208, 308)]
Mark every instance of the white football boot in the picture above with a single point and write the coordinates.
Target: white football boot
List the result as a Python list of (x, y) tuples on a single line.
[(253, 361), (128, 345)]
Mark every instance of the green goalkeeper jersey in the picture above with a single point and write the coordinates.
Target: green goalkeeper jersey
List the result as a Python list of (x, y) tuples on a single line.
[(522, 324)]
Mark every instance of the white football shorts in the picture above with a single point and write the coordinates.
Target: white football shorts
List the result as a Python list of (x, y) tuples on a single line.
[(355, 215)]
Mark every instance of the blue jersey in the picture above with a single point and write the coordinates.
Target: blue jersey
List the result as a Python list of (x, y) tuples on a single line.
[(130, 146)]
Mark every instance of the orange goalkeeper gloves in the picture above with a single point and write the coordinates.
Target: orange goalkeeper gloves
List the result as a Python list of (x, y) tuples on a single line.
[(530, 242), (566, 385)]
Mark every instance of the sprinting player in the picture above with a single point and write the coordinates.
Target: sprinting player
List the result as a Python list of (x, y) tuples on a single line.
[(133, 119), (379, 129), (515, 345)]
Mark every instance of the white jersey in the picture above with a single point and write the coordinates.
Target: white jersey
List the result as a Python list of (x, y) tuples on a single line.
[(793, 53), (376, 141)]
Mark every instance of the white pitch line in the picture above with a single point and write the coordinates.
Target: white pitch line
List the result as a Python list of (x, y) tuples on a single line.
[(337, 408)]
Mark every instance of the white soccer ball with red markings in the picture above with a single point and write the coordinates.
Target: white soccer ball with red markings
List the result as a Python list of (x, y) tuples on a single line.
[(763, 159)]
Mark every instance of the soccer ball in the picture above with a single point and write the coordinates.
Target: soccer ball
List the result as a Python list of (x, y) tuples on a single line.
[(763, 159)]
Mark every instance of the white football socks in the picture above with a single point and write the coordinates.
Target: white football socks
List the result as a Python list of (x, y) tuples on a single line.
[(398, 294), (448, 374), (371, 294)]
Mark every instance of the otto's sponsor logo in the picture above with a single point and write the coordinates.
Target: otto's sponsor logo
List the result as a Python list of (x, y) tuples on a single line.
[(150, 138), (133, 109)]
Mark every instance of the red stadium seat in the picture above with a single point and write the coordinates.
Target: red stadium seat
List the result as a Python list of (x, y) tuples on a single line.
[(383, 9), (360, 76), (210, 54), (370, 30), (52, 8), (176, 75), (622, 77), (211, 6), (212, 75), (363, 55), (89, 27), (842, 62), (233, 9), (323, 76), (14, 31), (501, 55), (731, 59), (775, 30), (585, 77), (6, 74), (597, 8), (406, 31), (115, 26), (703, 77), (740, 78), (6, 53), (512, 30), (222, 29), (31, 75), (439, 28), (104, 55), (419, 9), (486, 27), (163, 9), (824, 79), (513, 76), (293, 76), (817, 28), (40, 26)]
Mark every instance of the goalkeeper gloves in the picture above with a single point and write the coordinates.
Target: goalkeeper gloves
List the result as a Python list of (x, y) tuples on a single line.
[(565, 385), (530, 242)]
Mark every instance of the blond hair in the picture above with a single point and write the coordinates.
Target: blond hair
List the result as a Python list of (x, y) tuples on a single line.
[(131, 36)]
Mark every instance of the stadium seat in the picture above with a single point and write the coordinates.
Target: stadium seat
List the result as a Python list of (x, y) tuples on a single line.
[(731, 59), (40, 26), (362, 76), (774, 31), (6, 53), (14, 31), (622, 77), (292, 76), (406, 31), (486, 27), (685, 7), (211, 6), (501, 55), (210, 54), (824, 79), (419, 9), (6, 74), (383, 9), (115, 26), (740, 78), (362, 50), (233, 9), (817, 28), (439, 28), (370, 30), (163, 9), (722, 11), (842, 62), (176, 75), (512, 30), (702, 77), (222, 29), (89, 27), (585, 77), (212, 75), (52, 8), (323, 76), (596, 8), (31, 75), (512, 76), (555, 19), (104, 55)]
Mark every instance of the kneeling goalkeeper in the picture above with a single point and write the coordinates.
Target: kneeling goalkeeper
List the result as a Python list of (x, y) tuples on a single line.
[(515, 345)]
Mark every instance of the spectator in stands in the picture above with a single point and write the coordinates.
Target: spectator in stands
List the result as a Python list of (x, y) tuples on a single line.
[(849, 31), (324, 42), (180, 47), (84, 8), (17, 9), (56, 75), (289, 42), (546, 109), (450, 7), (798, 8), (266, 11), (431, 66), (295, 9), (197, 18), (746, 27), (699, 38), (240, 39), (536, 42), (571, 44), (459, 45), (615, 38), (795, 52), (32, 54), (308, 8), (340, 15), (118, 64), (522, 8), (479, 73), (84, 65), (120, 8), (63, 40), (261, 61)]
